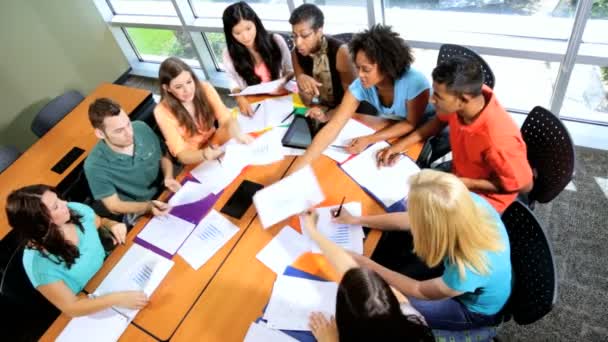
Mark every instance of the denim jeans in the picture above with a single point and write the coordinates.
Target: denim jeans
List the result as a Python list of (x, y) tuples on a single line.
[(451, 314)]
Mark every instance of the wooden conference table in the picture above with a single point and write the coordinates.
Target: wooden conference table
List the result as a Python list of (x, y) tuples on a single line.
[(74, 130), (218, 301)]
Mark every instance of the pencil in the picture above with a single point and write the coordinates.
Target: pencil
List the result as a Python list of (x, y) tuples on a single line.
[(340, 207), (256, 108), (338, 146), (288, 116)]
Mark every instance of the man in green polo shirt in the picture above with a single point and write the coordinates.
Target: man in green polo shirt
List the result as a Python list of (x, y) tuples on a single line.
[(123, 169)]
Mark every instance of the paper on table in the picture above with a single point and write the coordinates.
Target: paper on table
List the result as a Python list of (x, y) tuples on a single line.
[(262, 88), (278, 133), (262, 333), (283, 250), (102, 326), (352, 129), (190, 192), (166, 232), (254, 123), (277, 109), (263, 150), (347, 236), (291, 195), (218, 175), (138, 270), (294, 299), (207, 238), (388, 184)]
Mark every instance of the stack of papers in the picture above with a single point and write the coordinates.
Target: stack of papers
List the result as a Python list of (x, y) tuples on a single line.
[(270, 113), (262, 88), (102, 326), (138, 270), (217, 175), (283, 250), (289, 196), (166, 233), (294, 299), (259, 332), (353, 129), (347, 236), (388, 184), (213, 232)]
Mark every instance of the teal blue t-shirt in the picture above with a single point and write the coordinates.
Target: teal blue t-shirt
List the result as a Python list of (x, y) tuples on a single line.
[(407, 87), (43, 270), (485, 294)]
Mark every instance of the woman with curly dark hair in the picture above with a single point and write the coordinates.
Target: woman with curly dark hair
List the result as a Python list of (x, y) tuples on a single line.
[(63, 250), (387, 81), (252, 55)]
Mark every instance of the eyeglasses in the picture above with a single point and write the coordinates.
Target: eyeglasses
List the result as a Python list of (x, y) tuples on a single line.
[(294, 36)]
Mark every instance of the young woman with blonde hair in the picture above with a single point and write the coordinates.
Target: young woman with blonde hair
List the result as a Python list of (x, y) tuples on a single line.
[(451, 226)]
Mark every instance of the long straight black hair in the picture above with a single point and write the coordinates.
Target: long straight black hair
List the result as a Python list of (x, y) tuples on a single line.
[(368, 310), (264, 43)]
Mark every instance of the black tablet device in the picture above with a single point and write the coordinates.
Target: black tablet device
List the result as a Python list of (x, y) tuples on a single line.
[(240, 201), (300, 133)]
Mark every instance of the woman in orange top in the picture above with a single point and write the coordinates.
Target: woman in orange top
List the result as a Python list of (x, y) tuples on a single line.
[(187, 113)]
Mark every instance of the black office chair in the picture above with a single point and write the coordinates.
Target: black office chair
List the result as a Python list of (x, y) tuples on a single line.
[(550, 154), (434, 148), (8, 154), (534, 291), (450, 50), (345, 37), (54, 111), (288, 40)]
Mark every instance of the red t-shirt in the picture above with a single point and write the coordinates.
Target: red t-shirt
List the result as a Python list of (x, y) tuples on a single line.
[(490, 148)]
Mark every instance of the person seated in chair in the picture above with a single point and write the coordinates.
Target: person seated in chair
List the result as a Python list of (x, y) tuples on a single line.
[(127, 168), (321, 63), (488, 152), (252, 54), (63, 250), (388, 82), (460, 230), (367, 308)]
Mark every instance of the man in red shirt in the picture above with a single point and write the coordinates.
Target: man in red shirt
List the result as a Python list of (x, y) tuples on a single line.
[(488, 151)]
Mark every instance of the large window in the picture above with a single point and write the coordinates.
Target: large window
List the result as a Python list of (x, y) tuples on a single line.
[(537, 49)]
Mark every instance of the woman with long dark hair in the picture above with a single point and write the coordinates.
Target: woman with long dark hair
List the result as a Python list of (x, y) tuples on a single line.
[(367, 308), (253, 55), (189, 112), (63, 250)]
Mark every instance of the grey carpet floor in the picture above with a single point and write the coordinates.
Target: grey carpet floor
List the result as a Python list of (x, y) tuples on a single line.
[(577, 224)]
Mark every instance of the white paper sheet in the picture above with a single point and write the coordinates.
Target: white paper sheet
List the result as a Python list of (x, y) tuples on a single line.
[(291, 195), (102, 326), (270, 113), (261, 333), (166, 232), (283, 250), (207, 238), (347, 236), (261, 88), (138, 270), (388, 184), (263, 150), (218, 175), (294, 299), (352, 129), (277, 133), (254, 123), (190, 192)]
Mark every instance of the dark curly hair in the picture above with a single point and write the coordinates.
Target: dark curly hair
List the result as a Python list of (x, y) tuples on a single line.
[(461, 75), (384, 47), (30, 218)]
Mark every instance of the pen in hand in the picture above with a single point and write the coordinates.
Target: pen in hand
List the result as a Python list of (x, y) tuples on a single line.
[(256, 108), (337, 213)]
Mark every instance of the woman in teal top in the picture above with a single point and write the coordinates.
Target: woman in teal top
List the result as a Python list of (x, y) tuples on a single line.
[(456, 228), (385, 80), (63, 250)]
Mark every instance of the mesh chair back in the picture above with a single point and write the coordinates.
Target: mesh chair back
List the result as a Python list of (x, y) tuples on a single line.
[(288, 40), (550, 154), (8, 154), (345, 37), (450, 50), (54, 111), (535, 283)]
